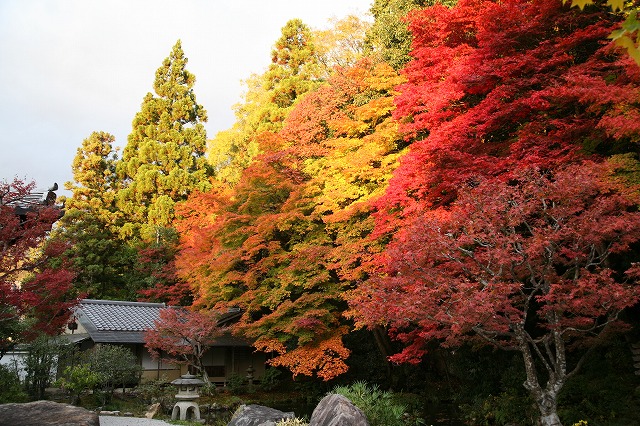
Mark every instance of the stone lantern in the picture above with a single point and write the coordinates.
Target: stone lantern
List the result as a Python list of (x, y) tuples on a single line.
[(187, 394)]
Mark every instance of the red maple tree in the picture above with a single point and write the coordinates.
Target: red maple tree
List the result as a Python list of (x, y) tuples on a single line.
[(182, 336), (533, 264), (34, 295), (495, 86), (495, 90)]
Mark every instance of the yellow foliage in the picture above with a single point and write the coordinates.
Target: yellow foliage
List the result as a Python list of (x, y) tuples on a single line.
[(580, 3)]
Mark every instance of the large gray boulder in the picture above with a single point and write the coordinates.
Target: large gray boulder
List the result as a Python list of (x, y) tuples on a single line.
[(337, 410), (46, 413), (257, 415)]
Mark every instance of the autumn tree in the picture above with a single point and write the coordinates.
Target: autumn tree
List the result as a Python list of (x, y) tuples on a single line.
[(182, 336), (163, 161), (34, 293), (486, 99), (486, 95), (341, 45), (535, 264), (287, 240), (158, 281), (628, 35)]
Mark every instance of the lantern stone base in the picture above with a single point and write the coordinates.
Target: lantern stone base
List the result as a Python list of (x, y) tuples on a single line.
[(182, 409), (186, 408)]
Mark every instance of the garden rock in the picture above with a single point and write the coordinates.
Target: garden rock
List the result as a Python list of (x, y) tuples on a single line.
[(152, 411), (258, 415), (337, 410), (46, 413)]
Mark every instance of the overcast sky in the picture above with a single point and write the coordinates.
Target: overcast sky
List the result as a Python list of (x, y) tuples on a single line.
[(71, 67)]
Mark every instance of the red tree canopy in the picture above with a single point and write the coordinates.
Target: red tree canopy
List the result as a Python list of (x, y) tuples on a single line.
[(182, 336), (541, 248), (34, 295), (538, 264), (495, 86)]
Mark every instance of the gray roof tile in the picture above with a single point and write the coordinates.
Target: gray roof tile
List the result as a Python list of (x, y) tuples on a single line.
[(112, 315), (112, 320)]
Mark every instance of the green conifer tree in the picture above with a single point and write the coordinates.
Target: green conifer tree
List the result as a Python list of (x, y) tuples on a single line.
[(91, 221), (163, 161)]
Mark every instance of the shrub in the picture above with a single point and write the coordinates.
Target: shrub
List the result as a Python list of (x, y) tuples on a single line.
[(116, 366), (11, 389), (270, 379), (158, 391), (379, 406), (236, 383), (41, 363), (77, 380)]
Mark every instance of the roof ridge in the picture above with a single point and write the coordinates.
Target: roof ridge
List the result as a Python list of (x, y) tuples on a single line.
[(120, 303)]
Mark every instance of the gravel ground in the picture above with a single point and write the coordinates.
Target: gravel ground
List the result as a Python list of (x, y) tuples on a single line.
[(129, 421)]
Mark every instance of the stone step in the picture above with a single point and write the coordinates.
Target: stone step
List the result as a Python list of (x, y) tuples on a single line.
[(636, 358), (635, 351)]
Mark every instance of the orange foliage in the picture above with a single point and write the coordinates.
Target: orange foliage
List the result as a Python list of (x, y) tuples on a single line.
[(324, 357)]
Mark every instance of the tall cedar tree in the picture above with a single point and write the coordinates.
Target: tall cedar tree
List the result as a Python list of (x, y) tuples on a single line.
[(293, 71), (34, 295), (496, 88), (163, 161), (91, 219), (287, 241)]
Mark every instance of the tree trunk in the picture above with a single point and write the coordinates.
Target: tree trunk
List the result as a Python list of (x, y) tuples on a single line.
[(203, 372), (548, 406), (384, 345), (546, 397), (550, 420)]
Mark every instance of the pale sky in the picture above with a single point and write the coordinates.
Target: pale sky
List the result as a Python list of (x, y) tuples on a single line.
[(71, 67)]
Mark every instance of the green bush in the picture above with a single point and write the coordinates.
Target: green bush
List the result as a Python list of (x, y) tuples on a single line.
[(379, 406), (78, 380), (270, 379), (116, 365), (11, 389), (41, 363), (236, 383), (158, 391)]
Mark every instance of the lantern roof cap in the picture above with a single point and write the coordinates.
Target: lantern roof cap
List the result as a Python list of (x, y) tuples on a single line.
[(188, 379)]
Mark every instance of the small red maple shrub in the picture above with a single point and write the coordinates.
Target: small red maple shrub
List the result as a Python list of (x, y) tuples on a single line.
[(182, 336)]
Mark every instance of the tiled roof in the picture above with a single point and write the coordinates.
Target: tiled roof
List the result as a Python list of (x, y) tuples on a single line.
[(109, 315), (112, 321), (116, 321)]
